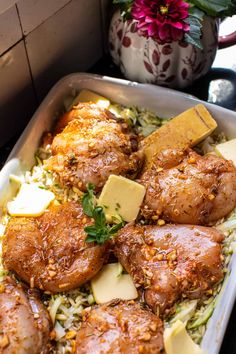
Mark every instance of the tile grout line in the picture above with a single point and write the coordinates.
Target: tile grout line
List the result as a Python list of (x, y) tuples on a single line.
[(46, 19), (27, 56), (10, 48), (24, 40)]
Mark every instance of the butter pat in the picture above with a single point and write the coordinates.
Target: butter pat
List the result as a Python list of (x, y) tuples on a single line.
[(2, 230), (89, 96), (227, 150), (121, 197), (185, 130), (177, 340), (30, 201), (110, 284)]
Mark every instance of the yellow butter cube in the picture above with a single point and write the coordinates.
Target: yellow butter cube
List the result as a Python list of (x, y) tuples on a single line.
[(31, 200), (2, 229), (89, 96), (177, 340), (227, 150), (110, 284), (184, 130), (121, 197)]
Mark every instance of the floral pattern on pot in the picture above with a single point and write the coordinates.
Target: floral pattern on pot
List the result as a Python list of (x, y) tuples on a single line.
[(177, 64)]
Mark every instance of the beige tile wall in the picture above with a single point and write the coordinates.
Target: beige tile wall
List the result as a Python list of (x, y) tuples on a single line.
[(34, 12), (6, 4), (67, 42), (10, 29), (41, 41), (17, 99)]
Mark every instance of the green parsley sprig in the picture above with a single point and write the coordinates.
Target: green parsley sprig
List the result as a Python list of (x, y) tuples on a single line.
[(89, 200), (100, 231)]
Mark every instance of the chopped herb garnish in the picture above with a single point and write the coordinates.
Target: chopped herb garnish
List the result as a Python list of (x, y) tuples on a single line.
[(37, 160), (117, 207), (72, 158), (100, 231), (88, 201)]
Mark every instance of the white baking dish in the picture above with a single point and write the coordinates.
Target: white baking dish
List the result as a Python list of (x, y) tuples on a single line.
[(166, 103)]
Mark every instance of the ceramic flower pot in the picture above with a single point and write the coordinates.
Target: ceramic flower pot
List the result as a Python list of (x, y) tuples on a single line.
[(176, 64)]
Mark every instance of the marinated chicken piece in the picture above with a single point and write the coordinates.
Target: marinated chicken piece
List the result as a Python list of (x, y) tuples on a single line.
[(50, 252), (85, 110), (92, 146), (186, 188), (24, 322), (120, 328), (170, 261)]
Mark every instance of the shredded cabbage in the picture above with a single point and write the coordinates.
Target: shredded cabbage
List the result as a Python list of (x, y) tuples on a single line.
[(60, 330), (184, 312), (143, 120), (54, 305), (227, 225)]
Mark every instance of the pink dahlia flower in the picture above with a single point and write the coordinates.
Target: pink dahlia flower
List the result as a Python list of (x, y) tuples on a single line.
[(162, 20)]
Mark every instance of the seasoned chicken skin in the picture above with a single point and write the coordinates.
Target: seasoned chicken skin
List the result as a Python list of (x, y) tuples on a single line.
[(50, 252), (186, 188), (170, 261), (123, 328), (24, 322), (93, 145)]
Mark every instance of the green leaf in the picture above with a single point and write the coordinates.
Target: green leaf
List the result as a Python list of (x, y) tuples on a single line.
[(216, 8), (122, 1), (88, 200), (125, 8), (113, 230), (195, 20), (90, 239), (99, 232), (91, 230), (99, 217), (189, 39), (230, 11), (196, 13)]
